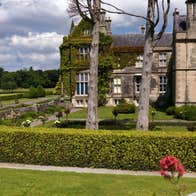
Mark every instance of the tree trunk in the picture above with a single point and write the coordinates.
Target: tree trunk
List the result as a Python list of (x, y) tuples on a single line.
[(92, 113), (143, 120)]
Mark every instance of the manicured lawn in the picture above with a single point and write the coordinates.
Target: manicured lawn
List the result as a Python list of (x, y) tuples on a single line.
[(106, 113), (26, 100), (31, 183)]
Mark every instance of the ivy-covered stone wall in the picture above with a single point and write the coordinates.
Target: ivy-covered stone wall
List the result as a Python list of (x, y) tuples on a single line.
[(110, 58)]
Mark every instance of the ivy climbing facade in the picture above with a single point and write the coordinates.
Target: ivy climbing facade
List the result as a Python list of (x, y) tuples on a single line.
[(121, 62)]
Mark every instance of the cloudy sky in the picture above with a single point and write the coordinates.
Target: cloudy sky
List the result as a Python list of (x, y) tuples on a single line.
[(32, 30)]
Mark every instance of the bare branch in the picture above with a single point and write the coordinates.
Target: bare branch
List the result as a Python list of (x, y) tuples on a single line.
[(158, 13), (120, 11), (165, 19), (90, 9), (76, 7)]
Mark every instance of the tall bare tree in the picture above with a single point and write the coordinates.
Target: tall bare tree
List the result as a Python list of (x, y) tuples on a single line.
[(157, 15), (89, 10)]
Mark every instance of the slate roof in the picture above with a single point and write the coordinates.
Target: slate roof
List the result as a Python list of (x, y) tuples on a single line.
[(138, 40)]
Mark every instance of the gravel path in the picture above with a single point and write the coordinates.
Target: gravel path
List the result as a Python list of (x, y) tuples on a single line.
[(85, 170)]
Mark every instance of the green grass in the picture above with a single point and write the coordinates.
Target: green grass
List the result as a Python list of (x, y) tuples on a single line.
[(31, 183), (24, 100), (106, 113)]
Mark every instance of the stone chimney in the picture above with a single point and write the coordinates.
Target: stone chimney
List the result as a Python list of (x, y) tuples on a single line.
[(191, 12), (191, 18), (108, 26), (143, 29), (176, 15), (102, 23)]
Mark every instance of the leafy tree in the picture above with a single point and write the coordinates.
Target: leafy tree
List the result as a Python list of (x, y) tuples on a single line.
[(32, 92), (40, 91), (36, 92), (7, 81)]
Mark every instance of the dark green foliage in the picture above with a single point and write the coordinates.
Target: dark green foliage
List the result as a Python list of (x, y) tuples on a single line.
[(124, 108), (40, 91), (26, 78), (186, 112), (104, 77), (11, 96), (80, 28), (36, 92), (101, 149), (105, 43), (7, 81), (29, 115), (170, 110), (52, 109)]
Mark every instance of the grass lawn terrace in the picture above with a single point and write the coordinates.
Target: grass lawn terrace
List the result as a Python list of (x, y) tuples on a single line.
[(33, 183), (106, 113)]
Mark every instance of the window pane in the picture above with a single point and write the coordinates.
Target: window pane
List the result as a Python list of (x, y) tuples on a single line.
[(82, 88), (77, 88), (86, 77), (81, 77), (77, 77), (86, 88)]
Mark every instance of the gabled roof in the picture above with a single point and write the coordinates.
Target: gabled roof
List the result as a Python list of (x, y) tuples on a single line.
[(135, 40), (180, 23)]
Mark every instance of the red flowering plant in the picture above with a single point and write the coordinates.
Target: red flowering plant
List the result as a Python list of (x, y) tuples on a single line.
[(172, 169)]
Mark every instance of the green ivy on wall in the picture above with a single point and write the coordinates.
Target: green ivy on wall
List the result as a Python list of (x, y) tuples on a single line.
[(109, 58)]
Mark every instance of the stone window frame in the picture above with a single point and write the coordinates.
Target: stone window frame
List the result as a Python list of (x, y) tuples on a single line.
[(162, 59), (82, 81), (84, 52), (117, 85), (139, 61), (138, 83), (87, 32), (163, 82)]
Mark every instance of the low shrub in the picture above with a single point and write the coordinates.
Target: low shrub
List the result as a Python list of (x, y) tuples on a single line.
[(170, 110), (52, 109), (101, 149), (11, 97), (29, 115), (186, 112), (124, 108), (36, 92)]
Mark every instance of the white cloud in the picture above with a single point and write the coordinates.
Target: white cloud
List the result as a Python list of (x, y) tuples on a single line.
[(32, 30), (37, 50)]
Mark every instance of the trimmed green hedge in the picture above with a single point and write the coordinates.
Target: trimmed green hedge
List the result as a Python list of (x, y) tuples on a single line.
[(101, 149), (11, 96)]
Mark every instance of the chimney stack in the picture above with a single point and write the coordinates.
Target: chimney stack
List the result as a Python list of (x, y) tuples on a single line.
[(143, 29)]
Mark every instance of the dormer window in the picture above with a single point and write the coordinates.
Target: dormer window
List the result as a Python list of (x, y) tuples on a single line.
[(162, 59), (84, 52), (139, 61), (86, 32)]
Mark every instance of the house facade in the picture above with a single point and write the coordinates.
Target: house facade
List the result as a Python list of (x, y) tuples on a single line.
[(173, 71)]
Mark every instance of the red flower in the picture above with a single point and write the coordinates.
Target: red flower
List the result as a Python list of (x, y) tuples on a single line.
[(170, 166)]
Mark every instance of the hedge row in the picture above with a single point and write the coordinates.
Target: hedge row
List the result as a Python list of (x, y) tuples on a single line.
[(101, 149), (11, 96)]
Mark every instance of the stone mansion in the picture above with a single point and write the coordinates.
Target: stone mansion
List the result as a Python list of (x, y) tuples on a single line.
[(174, 64)]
